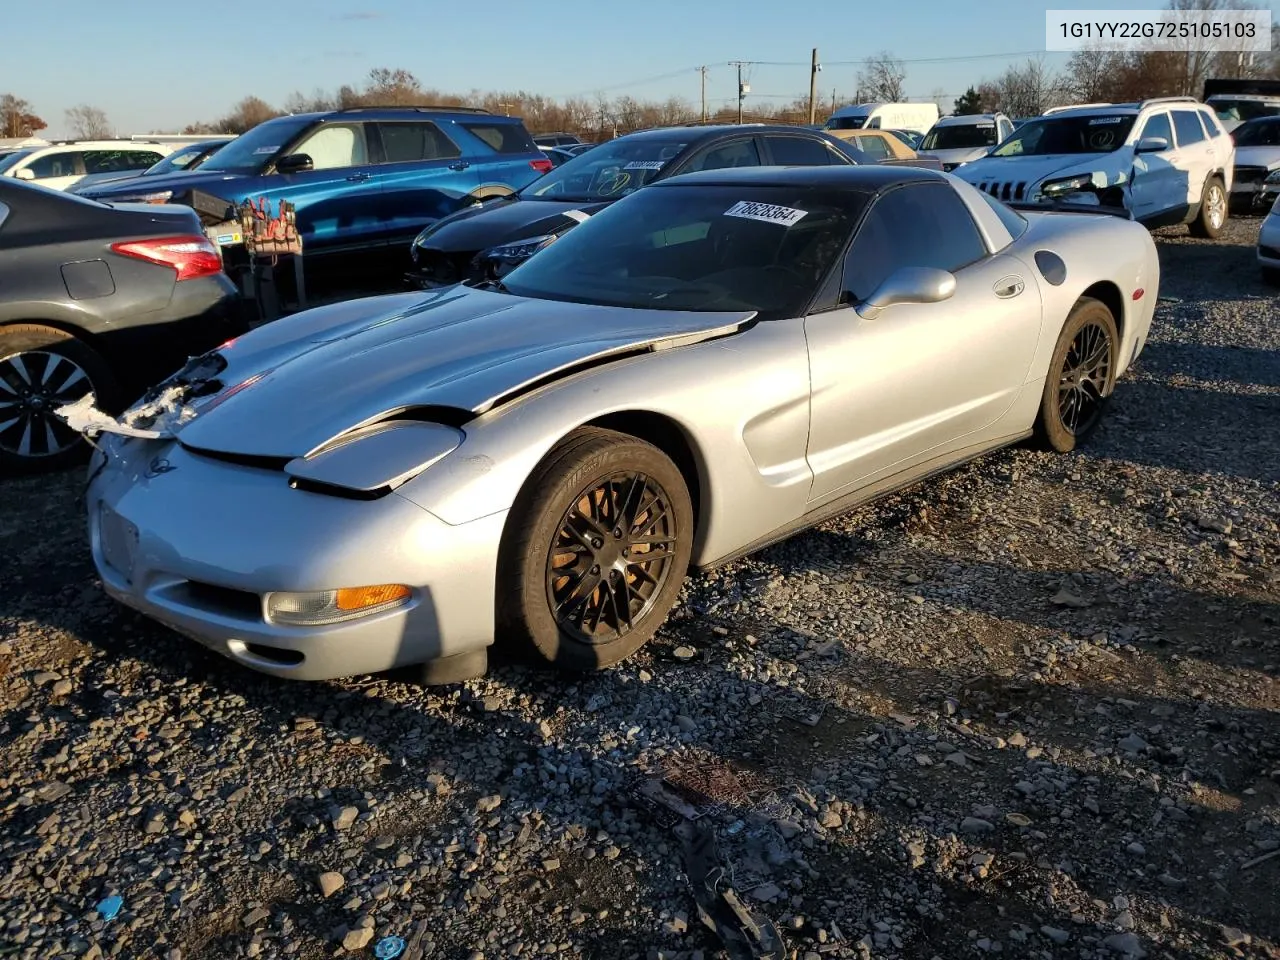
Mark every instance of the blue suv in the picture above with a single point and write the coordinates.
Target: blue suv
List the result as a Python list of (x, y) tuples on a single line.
[(360, 178)]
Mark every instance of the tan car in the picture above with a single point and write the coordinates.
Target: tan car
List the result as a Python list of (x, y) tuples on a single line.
[(880, 145)]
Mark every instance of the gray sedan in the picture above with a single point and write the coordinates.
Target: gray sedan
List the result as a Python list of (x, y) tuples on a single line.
[(705, 367)]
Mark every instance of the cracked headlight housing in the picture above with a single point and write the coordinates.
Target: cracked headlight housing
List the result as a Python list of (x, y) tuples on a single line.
[(1064, 187)]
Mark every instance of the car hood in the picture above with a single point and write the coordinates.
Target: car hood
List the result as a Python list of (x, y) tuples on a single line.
[(1257, 157), (480, 227), (178, 181), (957, 155), (1034, 169), (294, 384)]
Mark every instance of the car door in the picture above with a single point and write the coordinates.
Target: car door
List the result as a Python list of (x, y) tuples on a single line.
[(1156, 185), (789, 150), (1195, 157), (920, 380), (423, 176), (336, 200)]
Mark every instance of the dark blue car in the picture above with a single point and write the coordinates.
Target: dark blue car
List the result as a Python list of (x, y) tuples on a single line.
[(359, 178)]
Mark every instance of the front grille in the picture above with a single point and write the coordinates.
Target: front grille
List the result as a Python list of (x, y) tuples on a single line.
[(1005, 190), (1250, 174)]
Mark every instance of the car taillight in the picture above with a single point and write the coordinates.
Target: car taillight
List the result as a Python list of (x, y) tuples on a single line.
[(189, 256), (542, 166)]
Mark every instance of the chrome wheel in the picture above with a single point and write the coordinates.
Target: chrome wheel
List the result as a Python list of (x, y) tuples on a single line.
[(1216, 205), (33, 384), (611, 556), (1085, 374)]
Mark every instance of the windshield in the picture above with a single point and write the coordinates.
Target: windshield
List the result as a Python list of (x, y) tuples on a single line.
[(250, 152), (8, 160), (846, 123), (184, 159), (704, 249), (1051, 135), (1258, 133), (960, 136), (1238, 110), (611, 170)]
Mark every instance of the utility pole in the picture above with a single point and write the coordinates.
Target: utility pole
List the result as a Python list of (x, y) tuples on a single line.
[(703, 71), (813, 86), (743, 89), (833, 99)]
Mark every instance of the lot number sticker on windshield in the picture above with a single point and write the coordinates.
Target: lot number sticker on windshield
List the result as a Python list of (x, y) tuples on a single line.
[(645, 165), (1097, 120), (767, 212)]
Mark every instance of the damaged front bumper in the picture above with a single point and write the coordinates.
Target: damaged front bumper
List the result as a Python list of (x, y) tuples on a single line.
[(198, 543)]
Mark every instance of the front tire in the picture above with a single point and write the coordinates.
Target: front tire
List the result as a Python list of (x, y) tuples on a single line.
[(1213, 210), (1081, 378), (1271, 276), (42, 368), (597, 549)]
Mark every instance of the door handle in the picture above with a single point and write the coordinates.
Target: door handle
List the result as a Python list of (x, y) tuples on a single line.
[(360, 177), (1007, 287), (459, 165)]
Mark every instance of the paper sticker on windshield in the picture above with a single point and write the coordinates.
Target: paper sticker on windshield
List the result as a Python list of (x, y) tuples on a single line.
[(645, 165), (265, 150), (767, 212), (1097, 120)]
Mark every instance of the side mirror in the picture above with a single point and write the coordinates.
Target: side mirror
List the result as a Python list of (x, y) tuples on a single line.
[(909, 285), (26, 173), (1152, 145), (295, 163)]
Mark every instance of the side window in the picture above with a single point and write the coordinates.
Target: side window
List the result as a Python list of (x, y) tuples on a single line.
[(1188, 127), (504, 137), (67, 164), (336, 145), (1004, 130), (798, 152), (4, 213), (735, 153), (920, 225), (408, 142), (874, 147), (1157, 125), (1210, 123)]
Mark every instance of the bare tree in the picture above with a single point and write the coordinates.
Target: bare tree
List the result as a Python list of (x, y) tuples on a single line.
[(16, 118), (990, 97), (246, 115), (882, 78), (1095, 75), (392, 87), (88, 123), (1029, 90)]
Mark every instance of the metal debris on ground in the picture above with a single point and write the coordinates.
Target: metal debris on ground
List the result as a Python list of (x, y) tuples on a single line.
[(745, 935)]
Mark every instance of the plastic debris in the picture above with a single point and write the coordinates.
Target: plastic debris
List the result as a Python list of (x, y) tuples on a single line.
[(151, 420), (109, 907), (389, 947)]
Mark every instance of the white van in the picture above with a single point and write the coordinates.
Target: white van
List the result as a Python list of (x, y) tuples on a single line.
[(885, 116)]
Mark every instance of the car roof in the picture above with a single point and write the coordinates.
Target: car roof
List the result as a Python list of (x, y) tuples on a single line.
[(73, 145), (705, 131), (969, 119), (400, 113), (868, 178)]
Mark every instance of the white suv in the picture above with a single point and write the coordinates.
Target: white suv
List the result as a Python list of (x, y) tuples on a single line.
[(960, 140), (70, 162), (1165, 161)]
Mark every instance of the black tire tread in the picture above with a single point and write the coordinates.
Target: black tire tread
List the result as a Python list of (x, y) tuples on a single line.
[(1046, 435)]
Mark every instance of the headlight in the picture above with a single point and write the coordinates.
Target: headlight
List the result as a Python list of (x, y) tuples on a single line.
[(160, 196), (1054, 189), (521, 249), (1273, 177), (316, 608)]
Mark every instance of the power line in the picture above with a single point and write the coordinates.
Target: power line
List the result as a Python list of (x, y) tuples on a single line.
[(672, 75)]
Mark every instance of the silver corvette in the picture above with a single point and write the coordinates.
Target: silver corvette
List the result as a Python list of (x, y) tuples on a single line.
[(706, 367)]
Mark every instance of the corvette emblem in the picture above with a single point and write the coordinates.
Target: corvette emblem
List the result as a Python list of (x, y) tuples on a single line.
[(159, 465)]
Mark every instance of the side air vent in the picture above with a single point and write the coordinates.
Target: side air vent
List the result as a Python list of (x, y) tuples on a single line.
[(1051, 267)]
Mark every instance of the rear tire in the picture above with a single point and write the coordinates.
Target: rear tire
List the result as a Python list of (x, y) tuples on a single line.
[(595, 553), (1271, 275), (1081, 377), (1213, 210), (42, 368)]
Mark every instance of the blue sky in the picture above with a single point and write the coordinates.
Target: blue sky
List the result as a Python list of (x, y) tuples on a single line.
[(160, 66)]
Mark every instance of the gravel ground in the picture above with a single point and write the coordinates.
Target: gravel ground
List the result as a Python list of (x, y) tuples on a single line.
[(1026, 709)]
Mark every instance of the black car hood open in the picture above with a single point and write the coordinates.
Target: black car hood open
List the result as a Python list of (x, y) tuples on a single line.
[(502, 221)]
